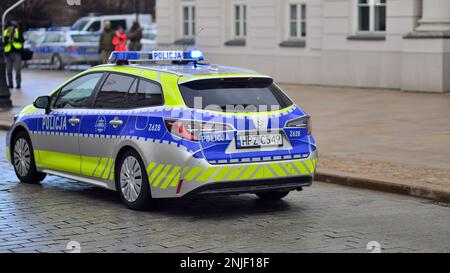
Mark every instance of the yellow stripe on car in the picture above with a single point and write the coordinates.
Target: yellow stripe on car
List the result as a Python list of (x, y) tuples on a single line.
[(162, 175), (174, 173), (193, 173), (206, 174), (155, 173)]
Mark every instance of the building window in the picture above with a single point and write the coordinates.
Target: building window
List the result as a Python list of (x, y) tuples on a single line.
[(188, 11), (297, 20), (371, 15), (240, 20)]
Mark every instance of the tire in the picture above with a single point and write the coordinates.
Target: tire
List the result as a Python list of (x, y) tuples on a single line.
[(132, 181), (272, 195), (22, 157), (57, 62)]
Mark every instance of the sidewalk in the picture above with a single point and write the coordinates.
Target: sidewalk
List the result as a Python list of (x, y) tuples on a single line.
[(381, 139), (35, 83)]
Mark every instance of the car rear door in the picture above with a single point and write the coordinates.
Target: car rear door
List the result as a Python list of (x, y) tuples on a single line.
[(85, 46), (103, 124), (52, 45)]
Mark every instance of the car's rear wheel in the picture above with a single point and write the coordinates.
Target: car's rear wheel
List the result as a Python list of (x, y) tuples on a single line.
[(23, 160), (272, 195), (57, 62), (132, 181)]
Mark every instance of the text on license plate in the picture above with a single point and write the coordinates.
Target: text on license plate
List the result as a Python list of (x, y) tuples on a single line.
[(249, 141)]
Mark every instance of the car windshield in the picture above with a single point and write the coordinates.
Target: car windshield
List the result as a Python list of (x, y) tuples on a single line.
[(85, 38), (79, 25), (234, 95)]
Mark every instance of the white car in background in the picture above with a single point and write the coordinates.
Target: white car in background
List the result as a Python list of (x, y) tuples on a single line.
[(95, 23), (148, 40), (61, 48)]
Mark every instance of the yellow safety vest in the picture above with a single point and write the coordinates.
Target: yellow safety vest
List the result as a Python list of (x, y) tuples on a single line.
[(16, 45)]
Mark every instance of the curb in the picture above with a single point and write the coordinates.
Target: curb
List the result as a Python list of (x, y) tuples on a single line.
[(384, 186)]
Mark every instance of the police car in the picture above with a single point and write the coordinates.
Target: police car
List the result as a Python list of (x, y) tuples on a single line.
[(165, 124)]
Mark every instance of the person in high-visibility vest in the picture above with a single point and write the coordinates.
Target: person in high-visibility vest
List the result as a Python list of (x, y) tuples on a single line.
[(13, 51)]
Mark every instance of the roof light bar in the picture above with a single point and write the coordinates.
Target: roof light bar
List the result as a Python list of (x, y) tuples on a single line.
[(123, 57)]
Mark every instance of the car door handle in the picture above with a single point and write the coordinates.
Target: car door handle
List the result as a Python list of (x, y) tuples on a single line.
[(116, 122), (74, 121)]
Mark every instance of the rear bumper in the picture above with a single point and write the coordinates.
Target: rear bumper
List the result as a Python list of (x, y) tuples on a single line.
[(254, 186)]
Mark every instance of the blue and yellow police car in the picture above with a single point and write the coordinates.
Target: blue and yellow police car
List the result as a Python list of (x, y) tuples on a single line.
[(166, 124)]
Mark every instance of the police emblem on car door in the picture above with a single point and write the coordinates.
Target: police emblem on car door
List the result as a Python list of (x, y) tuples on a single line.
[(103, 124)]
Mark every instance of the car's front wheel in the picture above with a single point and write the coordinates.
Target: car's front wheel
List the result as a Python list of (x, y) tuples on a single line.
[(132, 181), (272, 195), (23, 160)]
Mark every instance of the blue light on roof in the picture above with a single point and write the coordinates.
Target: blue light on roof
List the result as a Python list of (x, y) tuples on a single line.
[(196, 55), (121, 57)]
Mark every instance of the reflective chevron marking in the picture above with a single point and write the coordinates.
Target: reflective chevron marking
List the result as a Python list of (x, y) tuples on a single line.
[(249, 172), (223, 172), (150, 167), (155, 173), (301, 168), (309, 165), (164, 176), (207, 174), (175, 180), (193, 173), (277, 169), (234, 174), (174, 173)]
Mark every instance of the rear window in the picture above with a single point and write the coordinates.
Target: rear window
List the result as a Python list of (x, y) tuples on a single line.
[(85, 38), (234, 95)]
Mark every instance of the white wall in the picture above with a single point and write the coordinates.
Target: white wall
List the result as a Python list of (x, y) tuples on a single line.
[(329, 57)]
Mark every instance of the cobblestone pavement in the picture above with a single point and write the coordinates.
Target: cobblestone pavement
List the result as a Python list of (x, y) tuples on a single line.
[(324, 218)]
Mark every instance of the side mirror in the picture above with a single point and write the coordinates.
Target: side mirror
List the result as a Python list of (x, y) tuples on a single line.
[(43, 102)]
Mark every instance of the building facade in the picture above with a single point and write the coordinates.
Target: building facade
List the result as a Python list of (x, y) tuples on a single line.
[(398, 44)]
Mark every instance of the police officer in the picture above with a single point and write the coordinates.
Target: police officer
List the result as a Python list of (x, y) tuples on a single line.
[(13, 51), (105, 44)]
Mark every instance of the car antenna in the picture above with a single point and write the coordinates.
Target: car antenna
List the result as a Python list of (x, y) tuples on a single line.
[(197, 33)]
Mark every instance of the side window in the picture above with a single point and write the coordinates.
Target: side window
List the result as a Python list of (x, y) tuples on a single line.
[(94, 27), (77, 94), (148, 94), (114, 91), (62, 39), (116, 23), (131, 98), (40, 39), (52, 38)]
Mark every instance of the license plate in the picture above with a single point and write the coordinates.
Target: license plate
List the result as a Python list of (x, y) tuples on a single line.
[(256, 141)]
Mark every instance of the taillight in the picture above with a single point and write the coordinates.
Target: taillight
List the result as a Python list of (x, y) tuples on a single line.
[(190, 130), (73, 48), (303, 122), (182, 129)]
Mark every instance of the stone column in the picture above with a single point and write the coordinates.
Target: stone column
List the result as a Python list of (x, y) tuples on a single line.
[(426, 50), (435, 17)]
